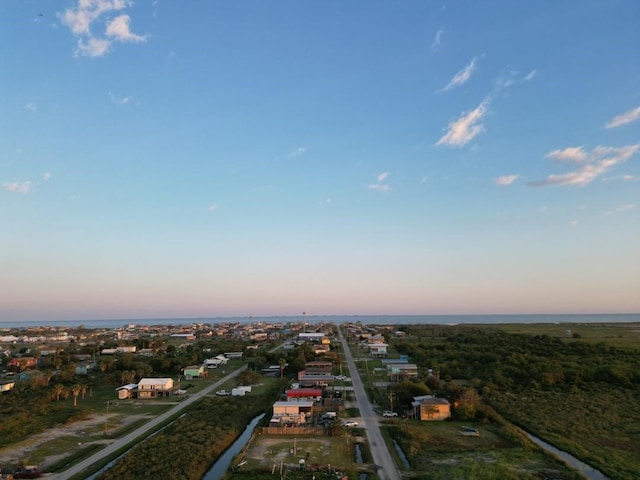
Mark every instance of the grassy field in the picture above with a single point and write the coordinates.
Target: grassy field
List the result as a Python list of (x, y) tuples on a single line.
[(624, 335), (437, 450)]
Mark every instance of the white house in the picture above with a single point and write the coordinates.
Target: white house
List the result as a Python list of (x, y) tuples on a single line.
[(154, 387)]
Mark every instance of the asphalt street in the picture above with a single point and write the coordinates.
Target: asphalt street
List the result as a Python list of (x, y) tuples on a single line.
[(381, 456)]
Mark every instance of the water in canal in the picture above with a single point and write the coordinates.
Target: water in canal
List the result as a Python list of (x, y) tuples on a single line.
[(222, 464)]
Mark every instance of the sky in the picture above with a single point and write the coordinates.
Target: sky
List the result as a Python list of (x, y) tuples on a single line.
[(232, 158)]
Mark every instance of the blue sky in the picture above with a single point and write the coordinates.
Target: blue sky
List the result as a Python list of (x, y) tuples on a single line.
[(165, 158)]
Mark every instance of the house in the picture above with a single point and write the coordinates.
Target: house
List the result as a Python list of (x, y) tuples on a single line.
[(154, 387), (6, 386), (315, 380), (23, 362), (303, 394), (399, 372), (127, 391), (293, 413), (318, 368), (378, 350), (194, 371), (430, 408)]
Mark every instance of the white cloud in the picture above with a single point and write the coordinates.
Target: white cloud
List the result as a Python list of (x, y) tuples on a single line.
[(569, 154), (573, 223), (463, 130), (46, 176), (530, 75), (326, 201), (462, 76), (83, 17), (213, 207), (383, 176), (32, 107), (18, 187), (592, 165), (438, 38), (118, 28), (627, 117), (296, 153), (630, 178), (379, 187), (505, 180)]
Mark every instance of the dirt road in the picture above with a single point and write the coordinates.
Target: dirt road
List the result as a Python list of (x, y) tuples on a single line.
[(381, 456)]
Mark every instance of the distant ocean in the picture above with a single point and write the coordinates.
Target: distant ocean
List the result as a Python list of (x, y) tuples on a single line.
[(368, 319)]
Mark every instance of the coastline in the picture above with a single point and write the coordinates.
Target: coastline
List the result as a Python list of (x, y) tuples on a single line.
[(338, 319)]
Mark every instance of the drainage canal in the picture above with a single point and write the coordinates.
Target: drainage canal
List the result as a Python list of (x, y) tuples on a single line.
[(405, 462), (363, 476), (219, 468)]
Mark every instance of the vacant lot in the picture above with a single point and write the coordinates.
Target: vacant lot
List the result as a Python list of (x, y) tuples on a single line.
[(267, 452), (437, 450)]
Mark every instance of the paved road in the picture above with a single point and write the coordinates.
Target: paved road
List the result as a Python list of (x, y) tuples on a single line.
[(381, 456), (151, 425)]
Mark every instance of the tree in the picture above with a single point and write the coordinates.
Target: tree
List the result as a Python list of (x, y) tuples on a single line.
[(58, 390), (283, 363), (75, 390)]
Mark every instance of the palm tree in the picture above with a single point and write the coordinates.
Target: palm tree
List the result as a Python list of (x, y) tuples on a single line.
[(283, 364), (58, 389), (75, 390)]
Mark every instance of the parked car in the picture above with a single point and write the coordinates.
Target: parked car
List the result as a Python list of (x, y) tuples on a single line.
[(389, 413), (223, 393), (349, 424)]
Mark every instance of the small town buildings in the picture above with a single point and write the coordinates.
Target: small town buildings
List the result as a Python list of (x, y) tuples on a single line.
[(303, 394), (430, 408), (194, 371), (318, 368), (377, 350), (291, 413), (399, 372), (154, 387), (6, 386), (127, 391)]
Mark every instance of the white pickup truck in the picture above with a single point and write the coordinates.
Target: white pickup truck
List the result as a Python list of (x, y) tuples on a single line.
[(389, 413)]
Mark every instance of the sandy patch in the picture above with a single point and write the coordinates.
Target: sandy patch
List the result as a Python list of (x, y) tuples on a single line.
[(87, 432)]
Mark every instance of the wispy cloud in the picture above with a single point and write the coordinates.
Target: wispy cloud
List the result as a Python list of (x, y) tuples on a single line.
[(437, 39), (119, 100), (297, 152), (630, 178), (627, 117), (32, 107), (86, 13), (19, 187), (465, 128), (462, 76), (591, 164), (46, 176), (569, 154), (530, 75), (380, 187), (213, 207), (621, 209), (505, 180), (573, 223)]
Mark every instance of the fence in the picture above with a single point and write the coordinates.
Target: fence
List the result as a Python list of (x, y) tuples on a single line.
[(292, 431)]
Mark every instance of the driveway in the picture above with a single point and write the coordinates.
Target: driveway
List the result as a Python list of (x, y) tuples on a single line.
[(381, 456)]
